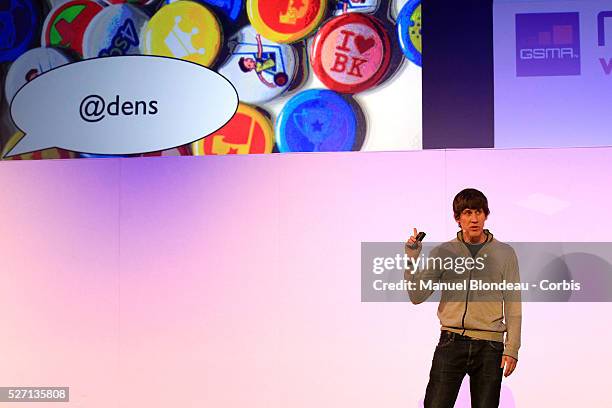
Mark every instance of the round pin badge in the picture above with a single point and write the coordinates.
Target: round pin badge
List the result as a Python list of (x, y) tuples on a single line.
[(285, 21), (248, 132), (185, 30), (116, 30), (259, 69), (317, 120), (19, 24), (351, 53), (231, 9), (409, 30), (65, 24), (52, 153), (30, 65), (356, 6)]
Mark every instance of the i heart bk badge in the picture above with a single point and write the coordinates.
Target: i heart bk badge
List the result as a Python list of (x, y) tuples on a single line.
[(351, 53)]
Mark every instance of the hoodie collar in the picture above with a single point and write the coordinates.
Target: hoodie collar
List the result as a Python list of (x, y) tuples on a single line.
[(486, 231)]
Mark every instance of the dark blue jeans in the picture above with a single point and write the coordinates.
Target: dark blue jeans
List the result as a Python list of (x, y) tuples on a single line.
[(456, 356)]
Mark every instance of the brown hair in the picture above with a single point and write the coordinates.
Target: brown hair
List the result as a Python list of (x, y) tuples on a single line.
[(242, 65), (470, 198)]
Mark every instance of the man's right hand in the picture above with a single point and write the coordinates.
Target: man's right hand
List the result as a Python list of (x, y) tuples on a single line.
[(408, 247)]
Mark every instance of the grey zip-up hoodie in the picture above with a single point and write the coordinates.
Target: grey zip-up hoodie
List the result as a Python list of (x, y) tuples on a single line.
[(474, 312)]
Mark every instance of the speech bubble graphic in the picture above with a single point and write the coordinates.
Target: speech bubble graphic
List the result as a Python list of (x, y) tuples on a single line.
[(122, 105)]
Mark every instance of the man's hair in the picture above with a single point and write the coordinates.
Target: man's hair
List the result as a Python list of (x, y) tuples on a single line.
[(242, 65), (470, 198)]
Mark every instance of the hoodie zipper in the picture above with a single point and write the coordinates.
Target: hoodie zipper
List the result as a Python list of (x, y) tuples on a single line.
[(466, 303), (467, 294)]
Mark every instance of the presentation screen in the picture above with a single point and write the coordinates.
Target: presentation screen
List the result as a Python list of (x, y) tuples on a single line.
[(85, 78)]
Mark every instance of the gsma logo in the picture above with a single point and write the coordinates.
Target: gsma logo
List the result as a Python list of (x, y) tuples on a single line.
[(606, 63), (547, 44)]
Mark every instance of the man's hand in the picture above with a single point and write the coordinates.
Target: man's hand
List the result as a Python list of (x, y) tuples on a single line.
[(411, 240), (510, 363)]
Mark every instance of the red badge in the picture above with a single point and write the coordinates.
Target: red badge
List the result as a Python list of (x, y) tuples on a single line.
[(351, 53), (65, 24), (285, 21), (289, 16), (248, 132)]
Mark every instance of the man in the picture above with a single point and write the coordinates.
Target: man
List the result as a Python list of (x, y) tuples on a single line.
[(263, 61), (473, 320)]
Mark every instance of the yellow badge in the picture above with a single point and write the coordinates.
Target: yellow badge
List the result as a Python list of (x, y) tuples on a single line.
[(185, 30)]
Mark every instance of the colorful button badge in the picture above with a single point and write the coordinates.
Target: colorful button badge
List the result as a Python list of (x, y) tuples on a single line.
[(52, 153), (185, 30), (285, 21), (65, 24), (18, 27), (248, 132), (229, 8), (409, 30), (356, 6), (31, 64), (317, 120), (259, 69), (351, 53), (114, 31)]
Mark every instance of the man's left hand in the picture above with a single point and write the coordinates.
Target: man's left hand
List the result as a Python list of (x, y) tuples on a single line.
[(510, 363)]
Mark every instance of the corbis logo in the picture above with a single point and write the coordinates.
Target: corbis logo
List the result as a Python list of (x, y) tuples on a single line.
[(547, 44)]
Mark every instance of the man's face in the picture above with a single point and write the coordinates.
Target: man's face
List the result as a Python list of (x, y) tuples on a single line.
[(472, 224), (249, 63)]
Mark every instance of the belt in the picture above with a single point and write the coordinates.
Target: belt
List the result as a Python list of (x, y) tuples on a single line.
[(457, 336)]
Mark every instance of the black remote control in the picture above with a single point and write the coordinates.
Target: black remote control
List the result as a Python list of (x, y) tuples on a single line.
[(418, 238)]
